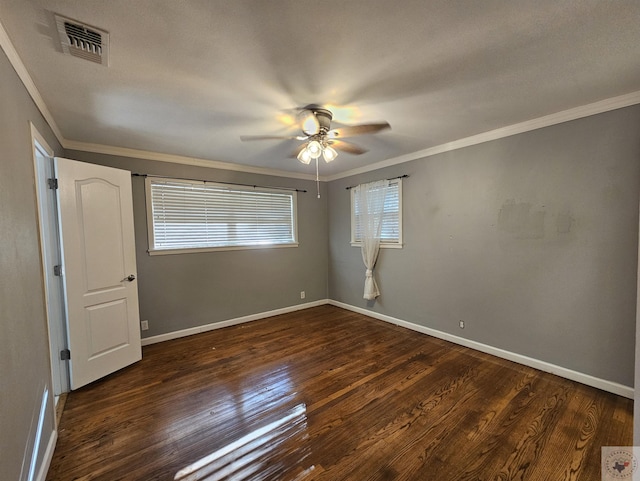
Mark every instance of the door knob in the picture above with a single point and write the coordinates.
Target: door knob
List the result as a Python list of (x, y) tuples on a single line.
[(130, 278)]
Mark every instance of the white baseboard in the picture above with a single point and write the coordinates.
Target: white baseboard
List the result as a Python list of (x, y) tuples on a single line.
[(35, 442), (615, 388), (230, 322), (48, 456)]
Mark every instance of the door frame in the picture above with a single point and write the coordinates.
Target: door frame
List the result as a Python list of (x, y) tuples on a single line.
[(48, 230)]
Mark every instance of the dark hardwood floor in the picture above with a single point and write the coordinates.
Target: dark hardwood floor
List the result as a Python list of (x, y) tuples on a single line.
[(327, 394)]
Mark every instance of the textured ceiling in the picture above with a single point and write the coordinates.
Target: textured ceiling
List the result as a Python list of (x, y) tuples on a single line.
[(189, 77)]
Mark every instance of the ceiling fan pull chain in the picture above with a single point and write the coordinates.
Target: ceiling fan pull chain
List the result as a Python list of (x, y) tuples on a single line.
[(317, 178)]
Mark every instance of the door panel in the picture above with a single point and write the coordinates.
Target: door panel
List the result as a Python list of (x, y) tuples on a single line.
[(96, 220), (106, 327), (102, 232)]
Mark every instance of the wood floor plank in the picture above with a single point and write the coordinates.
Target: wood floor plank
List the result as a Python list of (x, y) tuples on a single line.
[(328, 394)]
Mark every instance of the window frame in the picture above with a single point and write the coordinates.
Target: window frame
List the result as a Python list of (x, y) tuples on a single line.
[(153, 250), (399, 244)]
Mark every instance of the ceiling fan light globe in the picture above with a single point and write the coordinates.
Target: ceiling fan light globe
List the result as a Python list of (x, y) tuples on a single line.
[(329, 154), (304, 156), (314, 148)]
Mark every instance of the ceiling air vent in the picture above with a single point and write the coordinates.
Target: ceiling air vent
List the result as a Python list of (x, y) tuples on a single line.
[(83, 41)]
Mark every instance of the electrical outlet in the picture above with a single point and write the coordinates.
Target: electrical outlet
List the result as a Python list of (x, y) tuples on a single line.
[(144, 325), (302, 295), (461, 324)]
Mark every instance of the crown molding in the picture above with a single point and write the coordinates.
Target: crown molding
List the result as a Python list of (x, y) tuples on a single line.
[(602, 106), (179, 159), (16, 62), (27, 81)]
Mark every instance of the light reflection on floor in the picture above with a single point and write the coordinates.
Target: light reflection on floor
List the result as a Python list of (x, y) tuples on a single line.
[(274, 446)]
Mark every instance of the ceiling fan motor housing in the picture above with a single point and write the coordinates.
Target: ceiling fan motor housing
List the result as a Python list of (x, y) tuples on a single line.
[(324, 119)]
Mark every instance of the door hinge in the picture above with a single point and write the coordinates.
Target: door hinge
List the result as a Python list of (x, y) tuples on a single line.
[(65, 355), (57, 271), (53, 183)]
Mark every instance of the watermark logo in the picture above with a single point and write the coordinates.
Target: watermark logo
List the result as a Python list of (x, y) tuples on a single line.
[(620, 462)]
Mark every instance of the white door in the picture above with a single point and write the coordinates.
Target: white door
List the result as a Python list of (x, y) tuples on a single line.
[(98, 252)]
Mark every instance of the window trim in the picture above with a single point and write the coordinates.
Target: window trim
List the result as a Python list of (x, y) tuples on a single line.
[(383, 245), (152, 251)]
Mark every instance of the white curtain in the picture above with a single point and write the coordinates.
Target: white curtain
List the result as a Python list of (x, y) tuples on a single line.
[(370, 199)]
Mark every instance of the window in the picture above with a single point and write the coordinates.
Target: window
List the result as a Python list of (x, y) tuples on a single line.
[(193, 216), (391, 235)]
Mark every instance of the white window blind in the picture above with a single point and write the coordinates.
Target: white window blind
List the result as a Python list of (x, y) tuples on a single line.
[(186, 215), (391, 234)]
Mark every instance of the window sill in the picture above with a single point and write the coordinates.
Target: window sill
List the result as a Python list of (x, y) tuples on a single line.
[(163, 252), (382, 246)]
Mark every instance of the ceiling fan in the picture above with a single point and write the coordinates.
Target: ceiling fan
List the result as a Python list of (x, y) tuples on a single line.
[(320, 139)]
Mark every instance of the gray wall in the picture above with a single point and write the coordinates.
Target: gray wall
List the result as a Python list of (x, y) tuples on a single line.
[(181, 291), (636, 403), (24, 357), (531, 239)]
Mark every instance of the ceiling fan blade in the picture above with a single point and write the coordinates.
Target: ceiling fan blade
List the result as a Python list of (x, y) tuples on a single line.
[(352, 130), (347, 147), (269, 137)]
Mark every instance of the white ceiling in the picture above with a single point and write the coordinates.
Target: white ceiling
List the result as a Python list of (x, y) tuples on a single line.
[(188, 77)]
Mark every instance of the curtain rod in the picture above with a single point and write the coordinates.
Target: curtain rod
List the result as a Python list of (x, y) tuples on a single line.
[(217, 182), (392, 178)]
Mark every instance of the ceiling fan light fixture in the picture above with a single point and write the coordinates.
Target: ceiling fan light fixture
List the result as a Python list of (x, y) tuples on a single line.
[(314, 148), (329, 153), (304, 156)]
